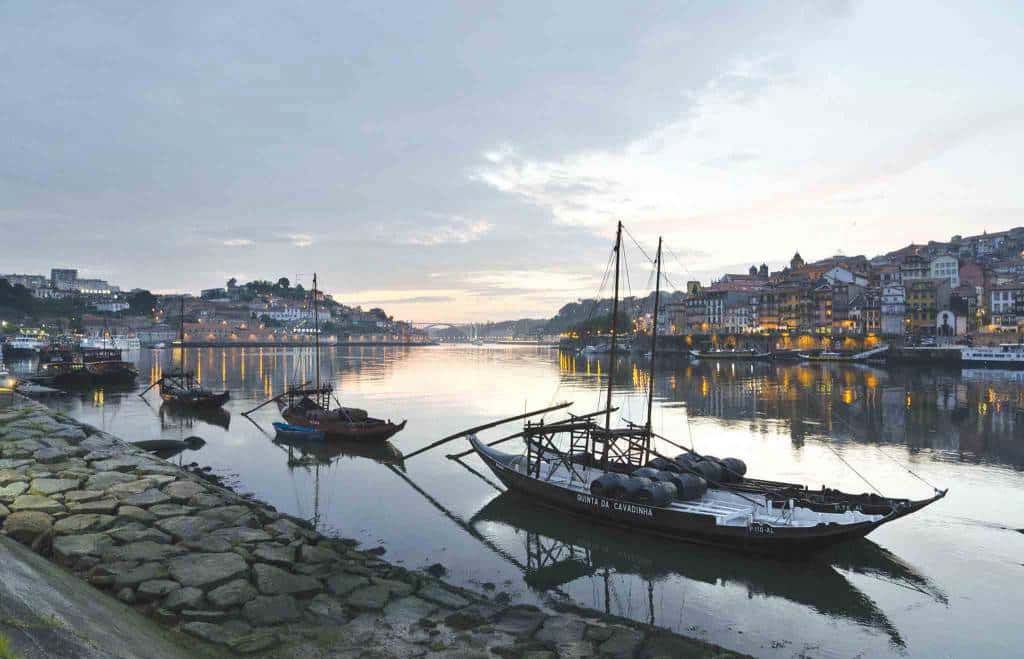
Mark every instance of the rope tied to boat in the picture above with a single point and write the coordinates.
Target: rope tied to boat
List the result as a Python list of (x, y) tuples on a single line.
[(862, 477), (908, 470)]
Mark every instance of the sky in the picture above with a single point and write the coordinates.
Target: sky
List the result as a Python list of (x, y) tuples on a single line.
[(468, 161)]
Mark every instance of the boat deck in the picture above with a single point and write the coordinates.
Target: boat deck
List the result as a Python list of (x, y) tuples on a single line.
[(728, 508)]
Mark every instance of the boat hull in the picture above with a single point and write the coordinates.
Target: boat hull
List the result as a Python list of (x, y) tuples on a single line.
[(683, 526), (196, 401), (371, 430)]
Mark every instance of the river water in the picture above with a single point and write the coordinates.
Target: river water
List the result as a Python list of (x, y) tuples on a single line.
[(945, 582)]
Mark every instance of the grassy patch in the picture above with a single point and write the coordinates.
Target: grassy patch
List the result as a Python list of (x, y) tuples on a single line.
[(5, 649)]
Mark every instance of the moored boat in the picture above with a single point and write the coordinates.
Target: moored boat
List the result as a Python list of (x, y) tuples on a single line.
[(729, 353), (1005, 355), (86, 368), (24, 346), (614, 476), (310, 406), (181, 388), (116, 341)]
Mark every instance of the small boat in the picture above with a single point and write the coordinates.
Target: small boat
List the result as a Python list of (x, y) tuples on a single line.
[(604, 349), (86, 367), (116, 341), (310, 406), (827, 356), (292, 431), (25, 346), (181, 388), (730, 353), (159, 346)]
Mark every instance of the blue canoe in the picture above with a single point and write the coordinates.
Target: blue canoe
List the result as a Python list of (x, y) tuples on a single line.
[(298, 432)]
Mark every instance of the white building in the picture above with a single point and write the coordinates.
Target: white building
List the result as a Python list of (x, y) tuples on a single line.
[(112, 306), (843, 276), (94, 287), (945, 267), (294, 314), (893, 310)]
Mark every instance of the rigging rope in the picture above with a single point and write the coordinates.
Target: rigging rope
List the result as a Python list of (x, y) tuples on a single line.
[(862, 477), (646, 255), (920, 478), (850, 431)]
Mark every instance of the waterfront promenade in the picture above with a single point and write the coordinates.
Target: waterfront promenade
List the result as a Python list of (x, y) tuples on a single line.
[(230, 575)]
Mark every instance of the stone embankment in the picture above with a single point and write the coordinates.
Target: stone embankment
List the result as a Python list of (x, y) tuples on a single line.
[(243, 578)]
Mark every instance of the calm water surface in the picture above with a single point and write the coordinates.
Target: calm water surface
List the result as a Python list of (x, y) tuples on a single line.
[(945, 582)]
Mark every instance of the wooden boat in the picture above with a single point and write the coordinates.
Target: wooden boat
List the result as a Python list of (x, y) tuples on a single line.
[(86, 367), (181, 388), (310, 407), (608, 475), (827, 356), (730, 354)]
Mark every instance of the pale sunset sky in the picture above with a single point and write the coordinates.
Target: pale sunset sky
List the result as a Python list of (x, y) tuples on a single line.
[(468, 160)]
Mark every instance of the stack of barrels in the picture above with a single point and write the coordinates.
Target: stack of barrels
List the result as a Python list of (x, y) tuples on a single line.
[(662, 481)]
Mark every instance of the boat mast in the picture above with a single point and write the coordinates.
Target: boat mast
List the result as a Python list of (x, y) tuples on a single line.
[(316, 332), (654, 337), (615, 314)]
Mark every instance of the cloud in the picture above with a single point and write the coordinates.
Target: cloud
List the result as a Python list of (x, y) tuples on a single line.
[(418, 299), (299, 239), (440, 229), (489, 163)]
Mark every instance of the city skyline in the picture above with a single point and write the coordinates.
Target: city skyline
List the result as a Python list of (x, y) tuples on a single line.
[(469, 164)]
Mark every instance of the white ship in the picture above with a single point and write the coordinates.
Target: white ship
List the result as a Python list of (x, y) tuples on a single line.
[(25, 346), (1005, 354), (116, 342)]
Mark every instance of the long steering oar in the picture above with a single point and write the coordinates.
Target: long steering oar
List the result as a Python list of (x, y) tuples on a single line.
[(572, 417), (470, 431)]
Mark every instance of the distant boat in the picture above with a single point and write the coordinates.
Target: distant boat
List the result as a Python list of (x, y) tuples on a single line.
[(25, 346), (478, 342), (1005, 355), (310, 406), (833, 356), (181, 388), (117, 341), (87, 368), (826, 356), (730, 353), (159, 346), (604, 349)]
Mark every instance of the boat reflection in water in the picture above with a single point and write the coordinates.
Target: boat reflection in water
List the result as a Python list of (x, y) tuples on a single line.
[(311, 451), (178, 416), (562, 549)]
